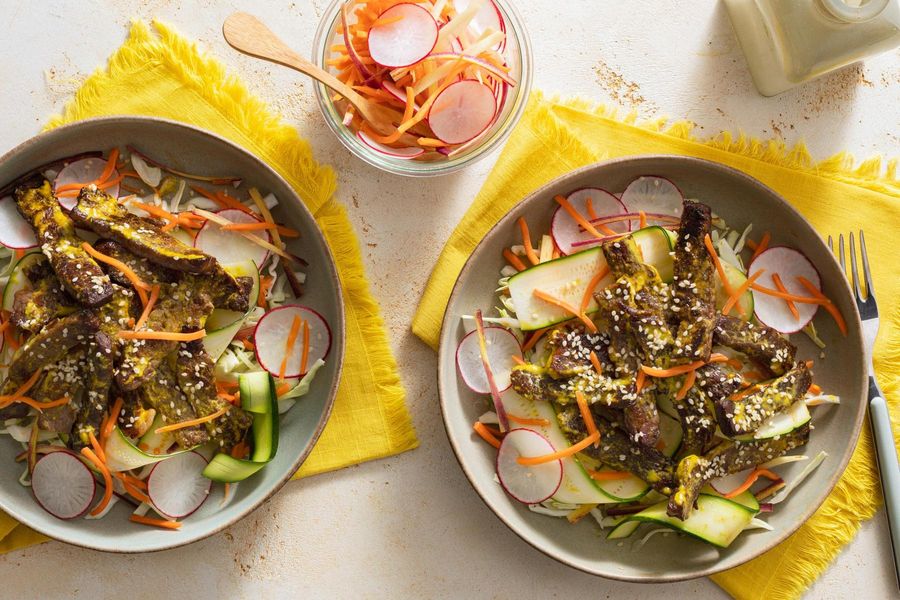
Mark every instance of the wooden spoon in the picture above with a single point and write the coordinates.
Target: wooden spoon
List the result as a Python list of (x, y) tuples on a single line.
[(245, 33)]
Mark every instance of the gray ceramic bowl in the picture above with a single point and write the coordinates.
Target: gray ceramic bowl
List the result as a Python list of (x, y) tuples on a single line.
[(740, 200), (198, 151)]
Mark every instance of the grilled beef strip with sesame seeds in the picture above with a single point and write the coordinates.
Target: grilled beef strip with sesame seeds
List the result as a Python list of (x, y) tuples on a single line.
[(693, 472), (617, 451), (570, 350), (742, 416), (45, 300), (181, 307), (61, 379), (98, 211), (225, 290), (79, 274), (620, 348), (535, 384), (196, 378), (694, 292), (763, 345), (641, 418), (161, 392), (695, 410), (98, 376), (52, 343)]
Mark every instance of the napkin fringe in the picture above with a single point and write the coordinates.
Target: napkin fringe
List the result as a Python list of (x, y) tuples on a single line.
[(875, 173)]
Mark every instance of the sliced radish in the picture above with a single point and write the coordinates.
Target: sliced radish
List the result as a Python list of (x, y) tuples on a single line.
[(230, 247), (63, 485), (177, 487), (528, 484), (15, 232), (502, 345), (273, 330), (84, 171), (487, 18), (462, 111), (404, 153), (568, 234), (402, 36), (788, 264), (653, 195)]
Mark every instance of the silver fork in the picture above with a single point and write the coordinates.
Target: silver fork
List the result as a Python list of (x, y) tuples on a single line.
[(885, 450)]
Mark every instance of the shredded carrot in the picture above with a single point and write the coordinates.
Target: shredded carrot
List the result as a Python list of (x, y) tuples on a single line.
[(156, 211), (525, 421), (754, 375), (707, 241), (514, 260), (222, 199), (131, 489), (19, 253), (643, 219), (151, 302), (746, 392), (136, 281), (155, 522), (828, 304), (566, 307), (689, 380), (589, 208), (266, 214), (751, 479), (486, 435), (640, 380), (740, 291), (672, 371), (573, 449), (8, 333), (28, 384), (518, 359), (535, 336), (265, 283), (248, 345), (761, 246), (596, 362), (38, 406), (586, 416), (786, 296), (809, 364), (98, 449), (109, 422), (410, 104), (608, 475), (197, 421), (163, 335), (283, 388), (282, 230), (304, 356), (779, 285), (526, 241), (751, 244), (592, 284), (107, 481), (577, 216), (288, 346), (815, 389)]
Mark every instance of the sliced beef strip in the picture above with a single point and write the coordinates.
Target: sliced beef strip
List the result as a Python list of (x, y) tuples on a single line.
[(97, 377), (161, 392), (52, 343), (695, 410), (45, 300), (79, 274), (741, 416), (763, 345), (61, 379)]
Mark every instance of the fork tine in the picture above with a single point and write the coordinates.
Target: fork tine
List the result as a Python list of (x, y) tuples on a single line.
[(859, 294), (841, 254), (831, 244), (870, 293)]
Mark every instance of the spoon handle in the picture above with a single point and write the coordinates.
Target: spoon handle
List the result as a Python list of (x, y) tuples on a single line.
[(249, 35)]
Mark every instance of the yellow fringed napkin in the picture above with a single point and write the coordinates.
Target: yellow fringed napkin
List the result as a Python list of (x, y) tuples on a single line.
[(556, 137), (164, 75)]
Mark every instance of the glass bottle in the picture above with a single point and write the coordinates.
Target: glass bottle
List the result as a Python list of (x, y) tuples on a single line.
[(788, 42)]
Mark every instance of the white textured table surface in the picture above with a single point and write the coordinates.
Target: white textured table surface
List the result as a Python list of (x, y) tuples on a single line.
[(410, 526)]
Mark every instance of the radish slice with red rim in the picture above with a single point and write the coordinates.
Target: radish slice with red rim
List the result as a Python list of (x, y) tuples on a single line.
[(63, 485), (653, 195), (487, 18), (405, 153), (230, 247), (15, 232), (569, 235), (462, 111), (788, 264), (502, 345), (402, 36), (530, 484), (271, 334), (177, 487), (84, 171)]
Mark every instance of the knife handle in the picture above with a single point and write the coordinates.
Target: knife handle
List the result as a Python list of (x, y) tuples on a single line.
[(889, 468)]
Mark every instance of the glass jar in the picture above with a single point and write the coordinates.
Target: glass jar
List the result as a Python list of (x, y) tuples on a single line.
[(788, 42)]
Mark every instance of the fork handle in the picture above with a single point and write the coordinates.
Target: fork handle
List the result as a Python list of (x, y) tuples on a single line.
[(888, 466)]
